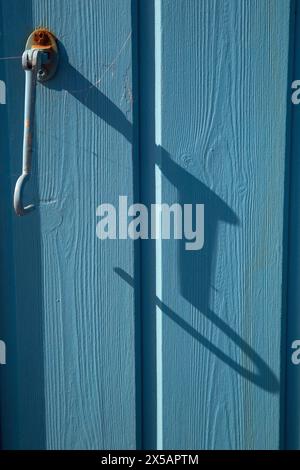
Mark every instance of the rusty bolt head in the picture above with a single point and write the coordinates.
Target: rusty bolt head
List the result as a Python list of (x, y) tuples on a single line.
[(42, 75), (41, 38)]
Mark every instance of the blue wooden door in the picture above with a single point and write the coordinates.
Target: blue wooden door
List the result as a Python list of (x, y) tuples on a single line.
[(69, 323), (122, 344)]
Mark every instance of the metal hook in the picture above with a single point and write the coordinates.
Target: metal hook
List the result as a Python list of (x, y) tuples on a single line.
[(39, 61)]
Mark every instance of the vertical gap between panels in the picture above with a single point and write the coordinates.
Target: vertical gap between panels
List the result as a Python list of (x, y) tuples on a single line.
[(145, 24)]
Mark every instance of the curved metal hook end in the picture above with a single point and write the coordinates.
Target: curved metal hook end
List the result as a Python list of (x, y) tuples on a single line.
[(18, 205)]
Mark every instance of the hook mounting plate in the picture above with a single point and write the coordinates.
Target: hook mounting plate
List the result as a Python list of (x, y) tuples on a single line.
[(44, 40)]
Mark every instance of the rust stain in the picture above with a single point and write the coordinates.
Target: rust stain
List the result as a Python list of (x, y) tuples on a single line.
[(42, 38), (36, 46)]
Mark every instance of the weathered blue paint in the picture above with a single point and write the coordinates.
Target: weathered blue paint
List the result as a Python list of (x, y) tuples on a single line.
[(164, 101), (69, 319), (214, 83)]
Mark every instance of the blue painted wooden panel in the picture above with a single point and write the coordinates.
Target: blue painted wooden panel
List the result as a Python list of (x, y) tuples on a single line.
[(213, 131), (164, 101), (69, 322)]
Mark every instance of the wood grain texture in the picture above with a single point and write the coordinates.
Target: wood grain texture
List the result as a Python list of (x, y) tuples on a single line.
[(219, 123), (75, 318), (211, 129)]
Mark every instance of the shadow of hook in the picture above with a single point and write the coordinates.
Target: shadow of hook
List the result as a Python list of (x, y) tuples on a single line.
[(263, 376)]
